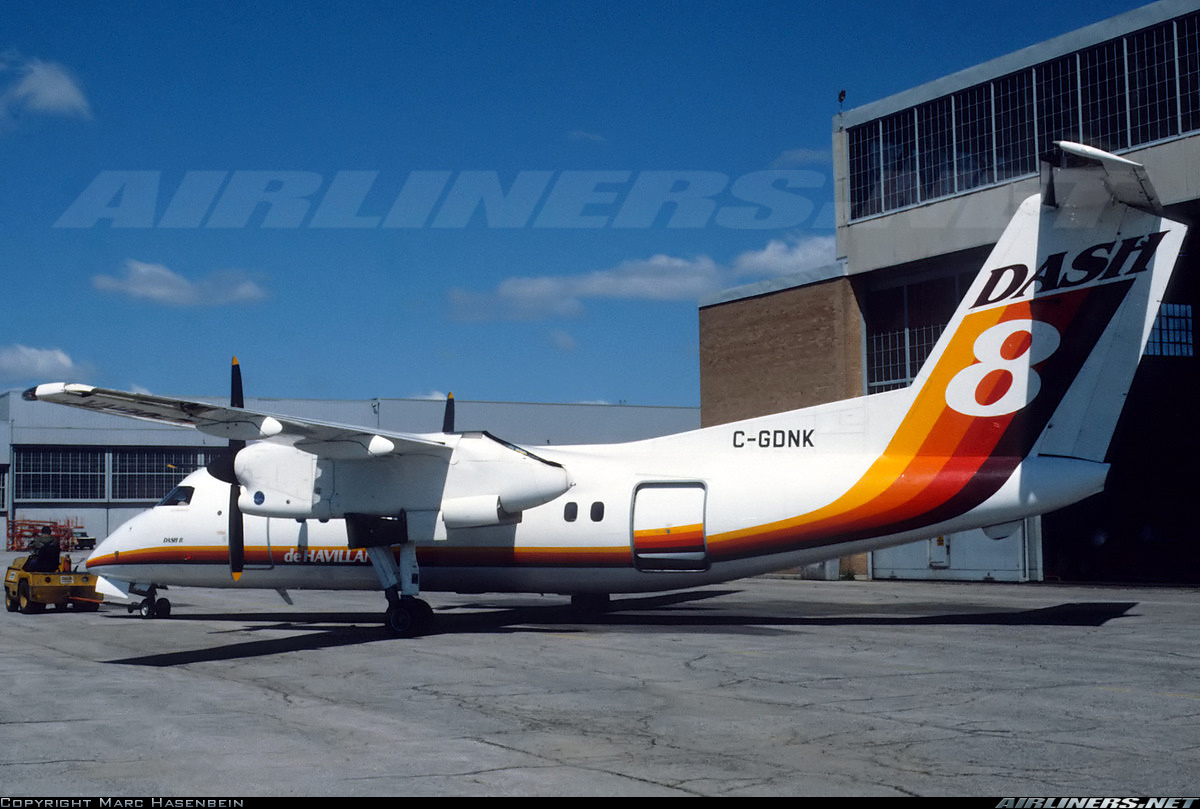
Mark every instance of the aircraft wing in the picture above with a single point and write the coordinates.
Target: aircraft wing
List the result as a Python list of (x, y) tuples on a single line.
[(239, 424)]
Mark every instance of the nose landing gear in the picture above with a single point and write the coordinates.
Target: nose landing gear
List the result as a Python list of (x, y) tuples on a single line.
[(151, 606)]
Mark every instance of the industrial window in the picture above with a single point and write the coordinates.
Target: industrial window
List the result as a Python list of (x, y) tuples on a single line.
[(935, 129), (1187, 40), (1125, 92), (52, 473), (973, 138), (148, 474), (1151, 60), (1172, 332), (903, 325), (3, 489), (898, 152), (1057, 102), (97, 473), (1102, 97), (1013, 101), (866, 193)]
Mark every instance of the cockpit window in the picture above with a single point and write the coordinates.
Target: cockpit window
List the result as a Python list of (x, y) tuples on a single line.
[(179, 496)]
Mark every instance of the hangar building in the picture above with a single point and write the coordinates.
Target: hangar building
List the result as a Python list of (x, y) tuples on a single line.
[(925, 182), (92, 471)]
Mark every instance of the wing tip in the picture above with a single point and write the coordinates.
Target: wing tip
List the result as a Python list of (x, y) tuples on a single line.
[(48, 390)]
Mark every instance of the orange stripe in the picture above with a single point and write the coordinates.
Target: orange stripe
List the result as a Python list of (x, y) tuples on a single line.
[(431, 555), (933, 455)]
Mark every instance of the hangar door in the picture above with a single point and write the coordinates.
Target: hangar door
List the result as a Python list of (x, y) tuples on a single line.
[(668, 527)]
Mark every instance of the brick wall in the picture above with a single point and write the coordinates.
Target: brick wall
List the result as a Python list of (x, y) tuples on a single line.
[(780, 351)]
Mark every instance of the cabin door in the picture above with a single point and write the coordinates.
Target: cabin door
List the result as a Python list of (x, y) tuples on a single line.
[(668, 527)]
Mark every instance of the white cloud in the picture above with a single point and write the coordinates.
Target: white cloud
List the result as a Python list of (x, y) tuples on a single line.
[(658, 278), (156, 283), (786, 257), (39, 88), (20, 363), (435, 395)]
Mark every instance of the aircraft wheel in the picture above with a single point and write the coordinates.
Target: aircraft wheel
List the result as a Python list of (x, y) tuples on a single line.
[(162, 608), (408, 618), (147, 609)]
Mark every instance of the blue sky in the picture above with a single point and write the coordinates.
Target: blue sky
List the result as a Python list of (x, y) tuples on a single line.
[(513, 201)]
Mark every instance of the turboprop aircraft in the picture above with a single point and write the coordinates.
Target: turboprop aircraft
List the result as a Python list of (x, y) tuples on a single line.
[(1010, 416)]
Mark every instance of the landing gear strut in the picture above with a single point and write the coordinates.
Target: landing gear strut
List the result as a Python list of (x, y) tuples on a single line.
[(406, 614), (151, 606)]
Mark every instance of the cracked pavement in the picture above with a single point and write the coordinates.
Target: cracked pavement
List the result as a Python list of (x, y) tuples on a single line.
[(761, 687)]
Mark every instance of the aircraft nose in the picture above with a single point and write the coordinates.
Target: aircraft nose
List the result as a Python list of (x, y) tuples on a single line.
[(101, 555), (108, 549)]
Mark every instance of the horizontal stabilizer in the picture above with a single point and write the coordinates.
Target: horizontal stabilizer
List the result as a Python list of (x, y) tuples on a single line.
[(1079, 176)]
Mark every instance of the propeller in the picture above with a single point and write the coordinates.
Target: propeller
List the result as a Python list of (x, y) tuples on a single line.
[(221, 468), (448, 416), (237, 535)]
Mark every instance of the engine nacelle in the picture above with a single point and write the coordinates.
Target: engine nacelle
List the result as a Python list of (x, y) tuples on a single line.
[(279, 480), (514, 477), (484, 482), (475, 511)]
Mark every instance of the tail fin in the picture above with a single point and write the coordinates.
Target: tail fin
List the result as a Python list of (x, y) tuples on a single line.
[(1037, 361), (1041, 352)]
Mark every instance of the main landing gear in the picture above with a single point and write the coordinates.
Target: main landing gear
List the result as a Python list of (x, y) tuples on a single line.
[(394, 558), (407, 615)]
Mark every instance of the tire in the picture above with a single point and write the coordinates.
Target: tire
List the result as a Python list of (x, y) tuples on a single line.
[(409, 618), (162, 608), (25, 601), (10, 601), (399, 621)]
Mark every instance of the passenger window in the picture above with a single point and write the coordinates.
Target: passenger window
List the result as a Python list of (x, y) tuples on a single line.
[(597, 511), (570, 512)]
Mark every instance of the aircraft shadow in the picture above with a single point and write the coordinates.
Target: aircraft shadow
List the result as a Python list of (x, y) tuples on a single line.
[(321, 630)]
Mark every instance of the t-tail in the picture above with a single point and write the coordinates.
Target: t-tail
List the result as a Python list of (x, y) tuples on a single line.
[(1012, 413), (1030, 375)]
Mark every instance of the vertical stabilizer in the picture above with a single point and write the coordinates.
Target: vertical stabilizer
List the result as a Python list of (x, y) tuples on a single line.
[(1043, 348)]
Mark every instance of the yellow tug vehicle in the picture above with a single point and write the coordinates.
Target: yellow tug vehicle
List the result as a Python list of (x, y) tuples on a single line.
[(43, 578)]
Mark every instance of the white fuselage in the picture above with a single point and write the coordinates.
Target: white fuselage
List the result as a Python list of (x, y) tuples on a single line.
[(743, 484)]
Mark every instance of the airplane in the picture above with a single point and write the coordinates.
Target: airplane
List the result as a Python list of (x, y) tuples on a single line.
[(1010, 416)]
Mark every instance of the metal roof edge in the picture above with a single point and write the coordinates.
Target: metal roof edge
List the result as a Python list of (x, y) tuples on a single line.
[(1026, 57), (814, 275)]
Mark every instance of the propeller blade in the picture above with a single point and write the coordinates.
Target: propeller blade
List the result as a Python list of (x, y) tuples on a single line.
[(235, 386), (237, 535), (221, 465), (237, 539), (448, 416)]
